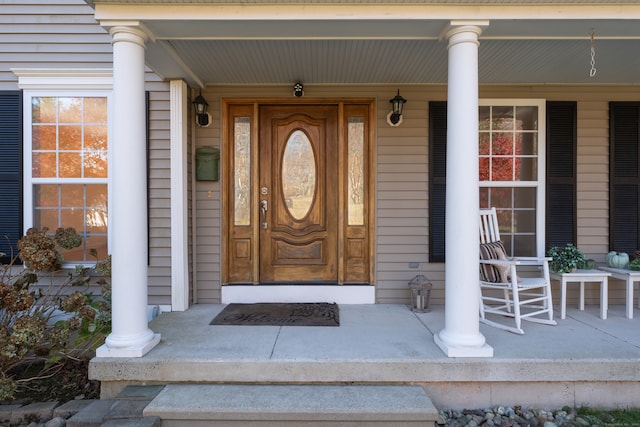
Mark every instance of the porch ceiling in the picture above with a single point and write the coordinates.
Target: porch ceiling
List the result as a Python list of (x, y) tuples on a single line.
[(249, 44)]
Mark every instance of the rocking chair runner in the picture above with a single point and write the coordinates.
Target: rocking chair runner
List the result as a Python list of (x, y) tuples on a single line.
[(502, 291)]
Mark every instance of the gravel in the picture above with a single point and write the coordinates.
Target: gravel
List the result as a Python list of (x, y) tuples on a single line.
[(507, 416)]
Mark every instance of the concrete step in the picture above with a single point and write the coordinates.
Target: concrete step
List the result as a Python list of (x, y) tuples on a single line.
[(292, 405)]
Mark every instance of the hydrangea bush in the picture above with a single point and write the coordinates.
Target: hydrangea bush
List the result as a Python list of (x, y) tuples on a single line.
[(43, 321)]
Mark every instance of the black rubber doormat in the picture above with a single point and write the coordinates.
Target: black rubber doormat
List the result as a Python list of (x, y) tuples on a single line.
[(279, 314)]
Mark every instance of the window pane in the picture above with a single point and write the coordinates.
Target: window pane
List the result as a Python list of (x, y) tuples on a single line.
[(526, 169), (527, 117), (484, 143), (485, 163), (46, 218), (242, 170), (95, 164), (43, 165), (73, 217), (485, 118), (502, 169), (70, 165), (502, 144), (525, 198), (45, 195), (95, 138), (72, 195), (527, 144), (502, 118), (95, 110), (70, 110), (99, 243), (43, 110), (356, 171), (44, 137), (70, 137), (525, 221), (298, 175)]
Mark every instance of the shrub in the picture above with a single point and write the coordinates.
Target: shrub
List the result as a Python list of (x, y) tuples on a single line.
[(43, 321)]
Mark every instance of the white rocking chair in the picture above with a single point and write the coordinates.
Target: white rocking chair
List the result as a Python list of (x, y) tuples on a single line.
[(502, 291)]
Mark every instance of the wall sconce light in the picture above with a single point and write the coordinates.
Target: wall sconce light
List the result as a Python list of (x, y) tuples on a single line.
[(394, 118), (203, 119), (298, 89)]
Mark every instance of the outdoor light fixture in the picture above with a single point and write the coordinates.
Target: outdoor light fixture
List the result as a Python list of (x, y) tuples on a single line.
[(298, 89), (394, 118), (202, 117)]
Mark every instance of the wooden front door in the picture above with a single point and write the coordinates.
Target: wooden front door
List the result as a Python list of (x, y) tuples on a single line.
[(298, 193), (297, 199)]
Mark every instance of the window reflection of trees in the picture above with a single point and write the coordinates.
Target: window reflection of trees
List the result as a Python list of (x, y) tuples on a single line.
[(298, 174), (70, 141), (242, 201), (356, 171)]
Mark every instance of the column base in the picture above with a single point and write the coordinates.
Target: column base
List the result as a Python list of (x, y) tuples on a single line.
[(451, 350), (135, 351)]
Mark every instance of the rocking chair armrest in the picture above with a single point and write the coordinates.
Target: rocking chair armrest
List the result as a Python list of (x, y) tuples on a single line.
[(534, 260)]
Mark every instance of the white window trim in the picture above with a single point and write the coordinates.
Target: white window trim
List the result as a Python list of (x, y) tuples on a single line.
[(542, 161), (59, 83)]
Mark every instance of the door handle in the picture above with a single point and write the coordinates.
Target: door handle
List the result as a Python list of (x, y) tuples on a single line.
[(263, 209)]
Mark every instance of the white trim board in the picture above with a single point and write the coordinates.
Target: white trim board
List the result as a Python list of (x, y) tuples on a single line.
[(340, 294)]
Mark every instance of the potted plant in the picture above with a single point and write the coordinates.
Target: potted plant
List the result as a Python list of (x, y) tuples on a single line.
[(565, 259)]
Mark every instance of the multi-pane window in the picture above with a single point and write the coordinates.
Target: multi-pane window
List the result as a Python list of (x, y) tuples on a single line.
[(69, 143), (511, 163)]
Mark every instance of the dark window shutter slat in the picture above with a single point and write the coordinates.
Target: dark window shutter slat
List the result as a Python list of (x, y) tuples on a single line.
[(10, 172), (624, 179), (624, 230), (437, 179), (561, 206)]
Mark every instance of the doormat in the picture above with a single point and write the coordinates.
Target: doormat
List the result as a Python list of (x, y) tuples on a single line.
[(279, 314)]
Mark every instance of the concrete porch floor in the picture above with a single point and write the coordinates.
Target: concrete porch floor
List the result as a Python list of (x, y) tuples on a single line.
[(584, 360)]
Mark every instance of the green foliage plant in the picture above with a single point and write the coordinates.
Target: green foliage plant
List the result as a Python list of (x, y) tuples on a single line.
[(45, 319), (565, 259)]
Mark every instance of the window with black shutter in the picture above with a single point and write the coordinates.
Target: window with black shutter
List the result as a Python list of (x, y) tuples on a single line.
[(10, 172), (560, 190), (624, 177)]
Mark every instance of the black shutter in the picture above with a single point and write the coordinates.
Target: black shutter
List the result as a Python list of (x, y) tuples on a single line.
[(624, 179), (10, 172), (437, 179), (561, 204)]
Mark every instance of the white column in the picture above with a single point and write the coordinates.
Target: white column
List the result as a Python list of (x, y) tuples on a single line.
[(130, 336), (461, 335)]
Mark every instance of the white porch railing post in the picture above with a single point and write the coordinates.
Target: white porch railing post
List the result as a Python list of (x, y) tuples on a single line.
[(130, 336), (461, 335)]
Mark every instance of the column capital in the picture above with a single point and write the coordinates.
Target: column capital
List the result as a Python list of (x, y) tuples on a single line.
[(133, 32), (464, 31)]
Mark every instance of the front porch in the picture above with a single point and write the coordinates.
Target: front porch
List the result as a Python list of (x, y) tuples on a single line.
[(584, 360)]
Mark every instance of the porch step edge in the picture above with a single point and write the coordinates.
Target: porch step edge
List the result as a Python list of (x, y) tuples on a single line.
[(253, 404)]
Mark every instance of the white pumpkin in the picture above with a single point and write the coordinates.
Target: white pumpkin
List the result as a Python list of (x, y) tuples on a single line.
[(618, 259)]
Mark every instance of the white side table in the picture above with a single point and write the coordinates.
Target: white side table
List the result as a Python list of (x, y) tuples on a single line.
[(629, 277), (582, 276)]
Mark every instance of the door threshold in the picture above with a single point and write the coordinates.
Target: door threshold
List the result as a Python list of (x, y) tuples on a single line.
[(340, 294)]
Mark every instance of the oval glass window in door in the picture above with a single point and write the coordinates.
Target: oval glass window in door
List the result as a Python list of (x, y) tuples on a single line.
[(298, 175)]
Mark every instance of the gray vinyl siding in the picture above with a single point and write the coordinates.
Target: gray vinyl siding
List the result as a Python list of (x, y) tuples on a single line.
[(159, 271), (50, 34)]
